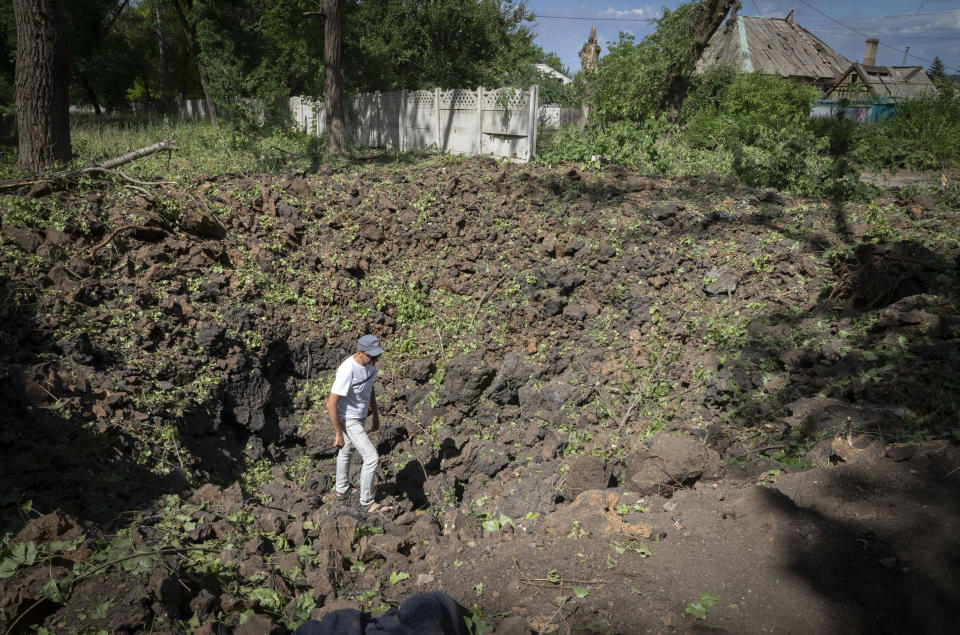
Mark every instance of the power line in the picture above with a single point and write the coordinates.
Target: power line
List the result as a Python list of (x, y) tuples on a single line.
[(862, 34)]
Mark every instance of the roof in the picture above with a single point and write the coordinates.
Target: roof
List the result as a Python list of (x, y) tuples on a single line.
[(773, 45), (551, 72), (883, 81)]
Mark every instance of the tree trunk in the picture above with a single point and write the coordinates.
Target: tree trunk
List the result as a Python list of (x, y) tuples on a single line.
[(162, 45), (332, 88), (43, 107), (709, 19), (190, 33)]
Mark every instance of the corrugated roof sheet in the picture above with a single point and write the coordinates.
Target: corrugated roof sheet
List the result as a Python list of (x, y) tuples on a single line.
[(776, 46)]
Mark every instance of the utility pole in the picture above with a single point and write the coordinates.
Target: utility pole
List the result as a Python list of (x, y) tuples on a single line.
[(905, 51)]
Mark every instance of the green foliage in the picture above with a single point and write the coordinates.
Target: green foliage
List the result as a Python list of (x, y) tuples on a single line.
[(924, 134), (698, 608), (396, 577), (632, 79)]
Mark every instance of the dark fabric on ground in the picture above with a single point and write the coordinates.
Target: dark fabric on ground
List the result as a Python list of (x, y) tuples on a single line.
[(422, 614)]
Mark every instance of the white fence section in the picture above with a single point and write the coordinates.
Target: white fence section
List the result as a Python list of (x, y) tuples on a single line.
[(501, 123)]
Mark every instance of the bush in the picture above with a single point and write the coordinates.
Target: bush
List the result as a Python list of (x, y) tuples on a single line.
[(924, 134)]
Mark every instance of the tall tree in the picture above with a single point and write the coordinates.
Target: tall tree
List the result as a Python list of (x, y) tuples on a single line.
[(938, 71), (43, 115), (190, 33), (706, 18), (332, 84)]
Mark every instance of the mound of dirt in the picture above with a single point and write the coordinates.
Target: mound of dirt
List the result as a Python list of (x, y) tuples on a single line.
[(610, 403)]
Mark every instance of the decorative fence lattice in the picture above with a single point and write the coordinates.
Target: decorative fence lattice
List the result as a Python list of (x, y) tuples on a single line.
[(501, 123)]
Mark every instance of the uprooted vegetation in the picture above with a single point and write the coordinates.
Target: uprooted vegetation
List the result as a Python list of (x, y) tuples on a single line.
[(572, 354)]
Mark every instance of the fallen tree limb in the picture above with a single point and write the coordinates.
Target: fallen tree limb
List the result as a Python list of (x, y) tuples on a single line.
[(103, 243), (136, 154), (104, 167)]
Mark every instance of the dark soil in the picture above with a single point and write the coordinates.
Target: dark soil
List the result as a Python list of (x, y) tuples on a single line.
[(611, 402)]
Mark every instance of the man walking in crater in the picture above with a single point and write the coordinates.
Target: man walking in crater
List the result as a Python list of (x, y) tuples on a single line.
[(351, 399)]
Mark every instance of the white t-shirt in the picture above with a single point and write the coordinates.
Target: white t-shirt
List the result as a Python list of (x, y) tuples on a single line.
[(354, 384)]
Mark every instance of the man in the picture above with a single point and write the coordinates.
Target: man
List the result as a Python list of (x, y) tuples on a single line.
[(351, 399)]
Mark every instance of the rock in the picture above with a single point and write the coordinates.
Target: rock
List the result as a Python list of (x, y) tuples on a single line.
[(574, 312), (724, 282), (548, 401), (116, 602), (337, 532), (527, 495), (259, 545), (78, 348), (53, 526), (325, 572), (478, 457), (205, 605), (554, 443), (210, 336), (924, 449), (586, 473), (594, 512), (27, 240), (662, 212), (420, 370), (258, 624), (271, 520), (225, 500), (202, 223), (465, 378), (380, 546), (672, 463), (850, 448), (460, 525), (820, 454), (513, 374)]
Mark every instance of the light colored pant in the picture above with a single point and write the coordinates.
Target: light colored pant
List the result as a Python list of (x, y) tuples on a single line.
[(354, 436)]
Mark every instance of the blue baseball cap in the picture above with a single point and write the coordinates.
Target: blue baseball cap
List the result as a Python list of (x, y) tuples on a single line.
[(370, 345)]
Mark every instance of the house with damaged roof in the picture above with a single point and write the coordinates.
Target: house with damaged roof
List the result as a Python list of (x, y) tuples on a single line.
[(867, 92), (778, 46)]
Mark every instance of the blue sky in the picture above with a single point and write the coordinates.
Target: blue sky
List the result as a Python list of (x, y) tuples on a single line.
[(929, 27)]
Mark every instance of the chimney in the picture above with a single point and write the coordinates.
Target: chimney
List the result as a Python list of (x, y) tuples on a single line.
[(870, 55)]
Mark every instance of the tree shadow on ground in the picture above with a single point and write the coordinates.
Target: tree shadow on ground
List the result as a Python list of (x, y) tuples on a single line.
[(48, 459), (873, 351)]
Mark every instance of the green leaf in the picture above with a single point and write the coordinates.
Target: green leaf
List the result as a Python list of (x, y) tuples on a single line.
[(266, 597), (24, 553), (101, 611), (553, 576), (478, 588), (67, 545), (491, 525), (8, 567), (708, 599), (396, 577), (309, 525), (506, 520), (57, 590), (642, 550), (697, 611), (581, 591), (560, 599)]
